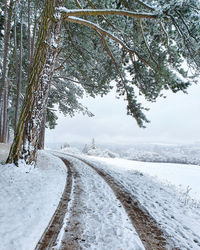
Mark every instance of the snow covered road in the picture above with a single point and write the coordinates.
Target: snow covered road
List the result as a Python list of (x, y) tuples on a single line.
[(105, 207), (95, 219)]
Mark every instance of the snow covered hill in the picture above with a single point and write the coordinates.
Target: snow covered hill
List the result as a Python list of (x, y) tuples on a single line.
[(169, 153), (146, 152)]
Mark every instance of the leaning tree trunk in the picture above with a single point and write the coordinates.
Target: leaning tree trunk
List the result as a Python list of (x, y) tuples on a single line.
[(25, 143)]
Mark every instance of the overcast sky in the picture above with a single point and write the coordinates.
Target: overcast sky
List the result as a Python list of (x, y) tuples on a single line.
[(175, 119)]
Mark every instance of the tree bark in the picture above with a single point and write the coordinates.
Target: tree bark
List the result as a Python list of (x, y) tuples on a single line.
[(19, 78), (42, 133), (29, 38), (33, 36), (26, 139)]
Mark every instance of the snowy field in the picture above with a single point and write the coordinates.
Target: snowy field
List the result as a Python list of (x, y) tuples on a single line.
[(28, 199), (176, 213), (184, 177)]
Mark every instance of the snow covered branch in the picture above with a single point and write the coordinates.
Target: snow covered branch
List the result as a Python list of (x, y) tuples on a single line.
[(98, 12)]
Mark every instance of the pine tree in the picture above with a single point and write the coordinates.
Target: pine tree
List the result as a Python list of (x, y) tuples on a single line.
[(101, 41)]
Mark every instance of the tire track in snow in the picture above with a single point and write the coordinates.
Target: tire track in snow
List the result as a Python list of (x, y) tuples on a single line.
[(49, 237), (147, 228)]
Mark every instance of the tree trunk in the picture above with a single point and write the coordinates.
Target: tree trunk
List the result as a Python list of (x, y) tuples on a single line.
[(29, 38), (33, 36), (19, 78), (4, 84), (42, 133), (26, 139)]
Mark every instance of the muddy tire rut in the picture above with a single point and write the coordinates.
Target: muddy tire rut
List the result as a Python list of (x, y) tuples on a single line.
[(49, 237), (151, 235)]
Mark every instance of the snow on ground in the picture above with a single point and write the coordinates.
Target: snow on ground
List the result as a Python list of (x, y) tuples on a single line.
[(179, 218), (28, 199), (184, 177), (103, 221), (4, 149)]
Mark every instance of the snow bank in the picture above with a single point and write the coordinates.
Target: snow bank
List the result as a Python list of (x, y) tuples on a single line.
[(28, 199)]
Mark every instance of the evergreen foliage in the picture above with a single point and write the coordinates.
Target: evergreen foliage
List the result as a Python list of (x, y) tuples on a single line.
[(145, 47)]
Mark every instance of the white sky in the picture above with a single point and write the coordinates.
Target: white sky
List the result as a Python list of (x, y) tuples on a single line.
[(175, 119)]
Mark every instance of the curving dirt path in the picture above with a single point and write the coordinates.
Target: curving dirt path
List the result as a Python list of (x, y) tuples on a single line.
[(148, 230), (151, 235)]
